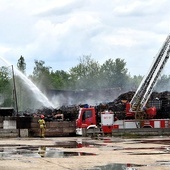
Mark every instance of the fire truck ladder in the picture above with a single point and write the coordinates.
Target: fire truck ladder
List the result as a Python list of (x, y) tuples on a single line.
[(145, 88)]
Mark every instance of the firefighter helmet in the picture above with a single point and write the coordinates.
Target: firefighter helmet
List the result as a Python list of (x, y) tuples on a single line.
[(42, 116)]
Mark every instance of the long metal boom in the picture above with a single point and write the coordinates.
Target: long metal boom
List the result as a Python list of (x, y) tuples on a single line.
[(145, 89)]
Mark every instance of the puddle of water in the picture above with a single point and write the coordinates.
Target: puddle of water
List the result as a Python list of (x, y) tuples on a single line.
[(128, 166), (117, 166), (111, 148), (108, 140), (104, 139), (155, 153), (145, 148), (163, 142), (163, 163), (162, 150), (36, 152), (77, 144), (56, 153)]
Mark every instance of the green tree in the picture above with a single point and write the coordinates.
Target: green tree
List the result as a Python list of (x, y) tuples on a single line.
[(21, 64), (6, 95), (120, 73), (163, 83), (60, 80), (21, 92), (134, 82), (114, 74), (41, 75), (85, 75), (107, 74)]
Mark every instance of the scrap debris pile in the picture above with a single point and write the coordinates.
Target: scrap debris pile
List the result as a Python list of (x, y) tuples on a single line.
[(69, 113), (160, 100)]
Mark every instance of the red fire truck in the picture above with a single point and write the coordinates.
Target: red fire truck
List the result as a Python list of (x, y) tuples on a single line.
[(90, 118), (139, 114)]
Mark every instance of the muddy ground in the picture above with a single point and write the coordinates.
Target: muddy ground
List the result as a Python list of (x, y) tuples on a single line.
[(77, 153)]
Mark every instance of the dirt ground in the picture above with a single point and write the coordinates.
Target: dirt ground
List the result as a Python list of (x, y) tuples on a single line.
[(80, 153)]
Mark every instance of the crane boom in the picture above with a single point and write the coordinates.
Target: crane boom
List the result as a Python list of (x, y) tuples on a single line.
[(145, 89)]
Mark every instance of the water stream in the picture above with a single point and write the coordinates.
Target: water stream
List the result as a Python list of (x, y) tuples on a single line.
[(39, 96)]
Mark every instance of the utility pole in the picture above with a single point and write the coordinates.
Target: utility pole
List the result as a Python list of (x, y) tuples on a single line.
[(16, 102)]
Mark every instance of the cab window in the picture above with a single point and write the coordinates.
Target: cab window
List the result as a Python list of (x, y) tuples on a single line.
[(87, 114)]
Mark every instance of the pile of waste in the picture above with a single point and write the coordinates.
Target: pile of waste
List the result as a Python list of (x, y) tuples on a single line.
[(70, 113)]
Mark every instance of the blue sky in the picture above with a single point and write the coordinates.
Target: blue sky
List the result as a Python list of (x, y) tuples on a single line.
[(60, 32)]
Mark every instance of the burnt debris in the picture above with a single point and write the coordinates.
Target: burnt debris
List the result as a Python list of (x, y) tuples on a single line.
[(69, 113)]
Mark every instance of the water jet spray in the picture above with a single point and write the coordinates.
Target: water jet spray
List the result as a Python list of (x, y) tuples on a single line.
[(35, 90)]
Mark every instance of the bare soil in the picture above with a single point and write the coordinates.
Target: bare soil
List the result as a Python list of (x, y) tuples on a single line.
[(149, 153)]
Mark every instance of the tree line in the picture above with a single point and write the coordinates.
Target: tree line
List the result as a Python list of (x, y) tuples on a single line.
[(88, 74)]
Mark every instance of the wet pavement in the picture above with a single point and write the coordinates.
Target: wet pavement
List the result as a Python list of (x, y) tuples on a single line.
[(104, 153), (117, 166), (36, 152)]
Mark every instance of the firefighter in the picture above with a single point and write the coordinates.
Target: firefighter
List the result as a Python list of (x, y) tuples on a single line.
[(42, 124)]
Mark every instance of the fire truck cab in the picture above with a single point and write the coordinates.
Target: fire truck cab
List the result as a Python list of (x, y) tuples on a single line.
[(90, 118)]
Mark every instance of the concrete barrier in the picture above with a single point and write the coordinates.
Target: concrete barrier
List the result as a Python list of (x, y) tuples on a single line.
[(8, 133), (9, 124), (141, 131), (23, 132)]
